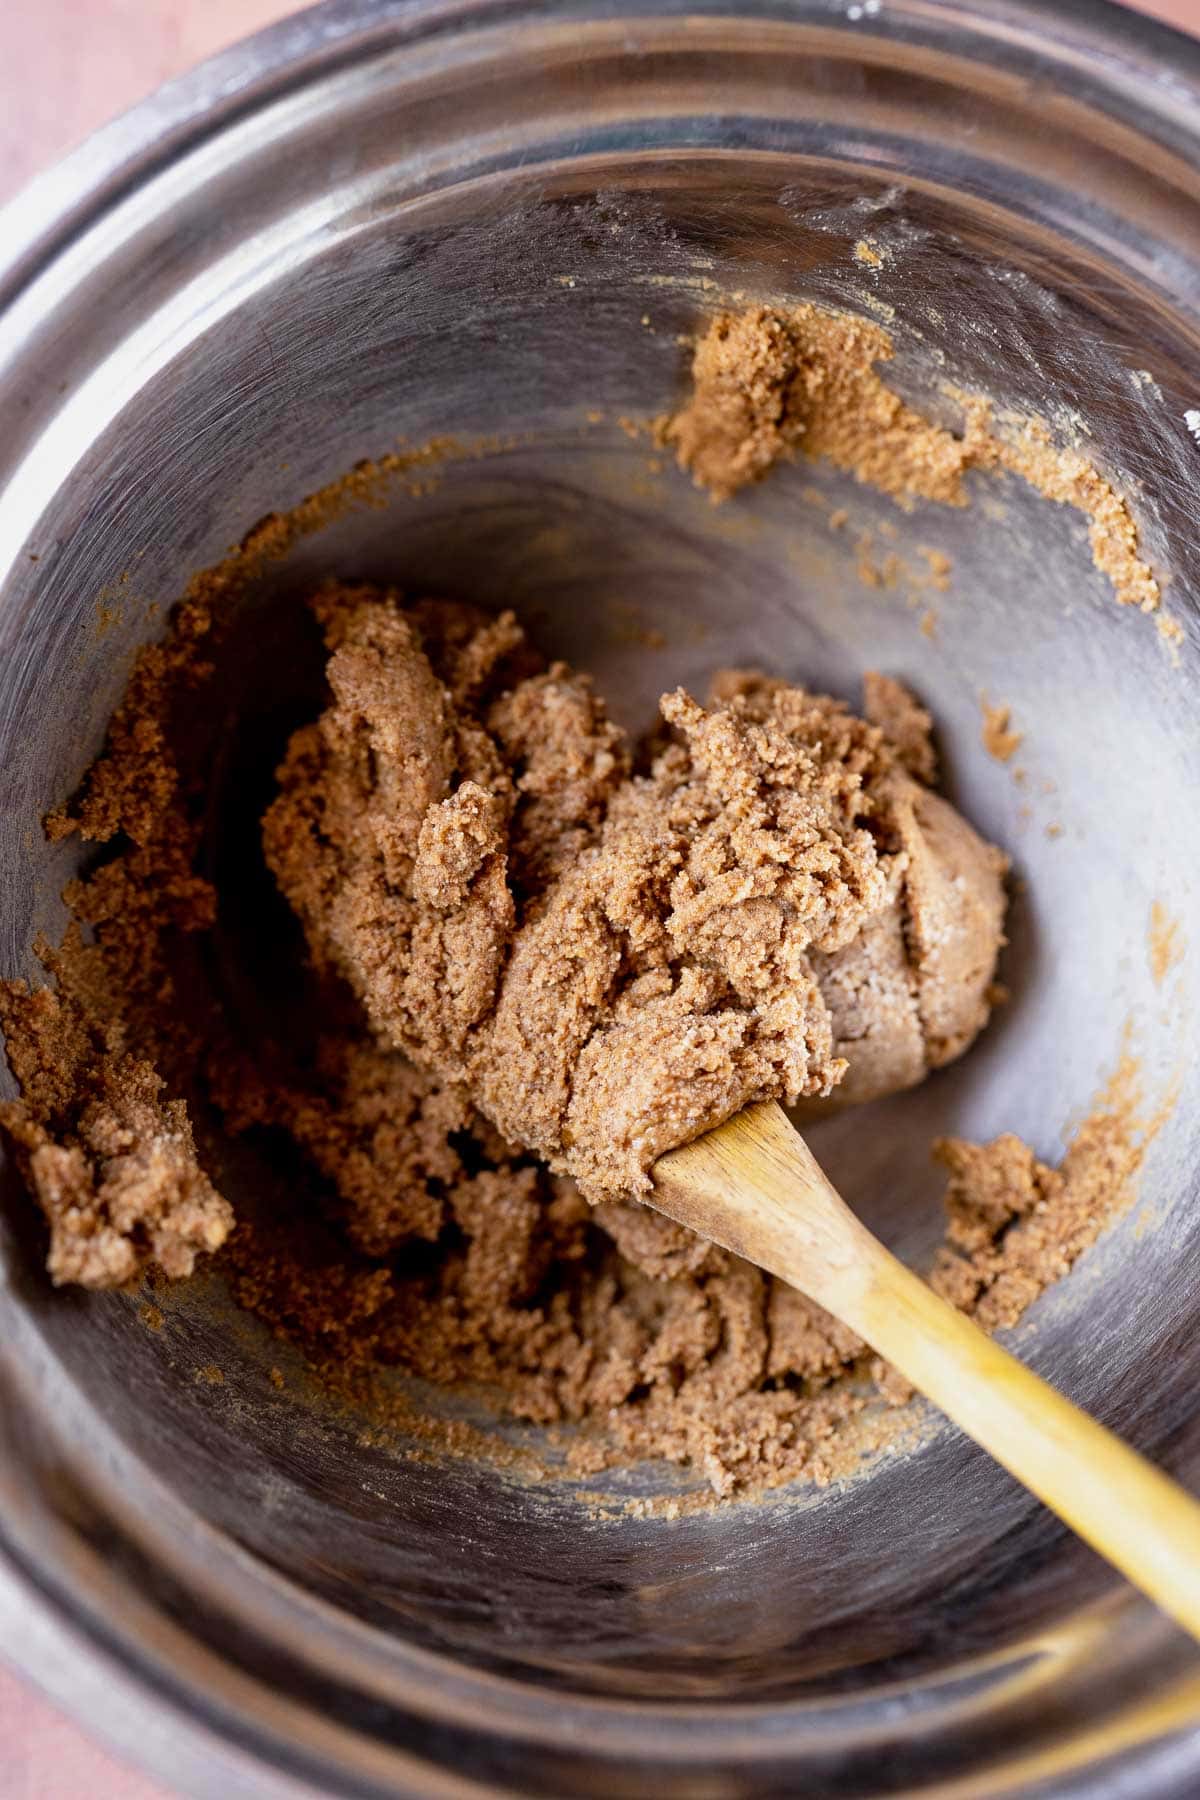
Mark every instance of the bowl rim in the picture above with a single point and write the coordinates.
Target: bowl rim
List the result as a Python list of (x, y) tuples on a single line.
[(1113, 43), (1149, 74)]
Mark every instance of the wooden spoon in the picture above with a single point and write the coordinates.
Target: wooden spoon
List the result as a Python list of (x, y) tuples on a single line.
[(754, 1187)]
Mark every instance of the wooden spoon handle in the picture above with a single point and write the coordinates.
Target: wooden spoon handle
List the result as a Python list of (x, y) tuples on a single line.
[(754, 1187), (1135, 1516)]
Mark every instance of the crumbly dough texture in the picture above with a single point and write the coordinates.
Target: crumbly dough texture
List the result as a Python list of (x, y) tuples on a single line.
[(426, 1238), (111, 1163), (610, 963), (772, 383), (585, 948)]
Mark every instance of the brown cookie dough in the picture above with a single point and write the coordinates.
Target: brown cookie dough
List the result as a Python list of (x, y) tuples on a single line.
[(771, 383), (112, 1164), (410, 1234), (610, 963), (605, 946)]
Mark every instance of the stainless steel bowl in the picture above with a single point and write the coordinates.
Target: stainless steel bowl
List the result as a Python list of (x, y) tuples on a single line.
[(392, 218)]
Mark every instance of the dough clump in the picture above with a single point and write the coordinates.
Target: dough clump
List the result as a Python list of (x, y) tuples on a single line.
[(112, 1164), (454, 795), (770, 384), (610, 959)]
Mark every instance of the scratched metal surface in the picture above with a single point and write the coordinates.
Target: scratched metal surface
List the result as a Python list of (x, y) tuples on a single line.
[(322, 246)]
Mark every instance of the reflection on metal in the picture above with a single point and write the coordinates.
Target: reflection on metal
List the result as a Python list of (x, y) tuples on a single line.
[(356, 229)]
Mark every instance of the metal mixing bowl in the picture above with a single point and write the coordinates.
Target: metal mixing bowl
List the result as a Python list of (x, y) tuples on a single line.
[(395, 218)]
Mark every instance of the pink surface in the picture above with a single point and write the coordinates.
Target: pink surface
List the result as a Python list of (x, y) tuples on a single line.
[(55, 97)]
